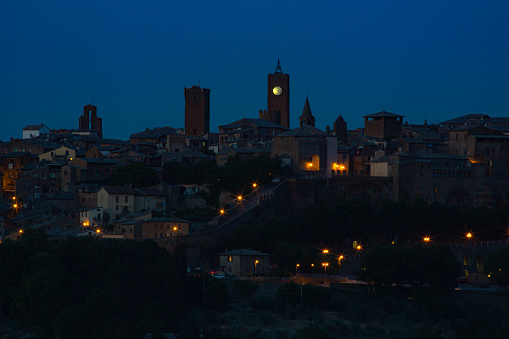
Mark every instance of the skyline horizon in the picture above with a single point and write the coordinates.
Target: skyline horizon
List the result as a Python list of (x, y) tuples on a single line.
[(433, 60)]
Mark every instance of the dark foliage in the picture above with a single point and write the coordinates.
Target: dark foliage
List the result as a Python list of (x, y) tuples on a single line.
[(136, 174), (79, 288)]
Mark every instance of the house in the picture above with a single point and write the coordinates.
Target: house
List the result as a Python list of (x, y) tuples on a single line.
[(239, 133), (123, 200), (11, 166), (244, 262), (62, 154), (91, 217), (149, 200), (164, 228), (32, 131), (312, 151), (116, 200)]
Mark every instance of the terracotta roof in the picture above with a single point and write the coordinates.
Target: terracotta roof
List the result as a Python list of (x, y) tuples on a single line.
[(33, 127), (118, 190), (465, 118), (245, 252), (154, 133), (303, 131), (383, 114)]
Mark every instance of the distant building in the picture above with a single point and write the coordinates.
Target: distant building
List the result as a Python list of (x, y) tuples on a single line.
[(33, 131), (244, 262), (197, 111), (313, 153), (383, 125)]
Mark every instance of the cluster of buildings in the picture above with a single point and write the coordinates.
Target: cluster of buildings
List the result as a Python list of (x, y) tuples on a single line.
[(56, 179)]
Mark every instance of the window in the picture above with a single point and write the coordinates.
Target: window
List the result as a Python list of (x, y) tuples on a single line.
[(116, 207)]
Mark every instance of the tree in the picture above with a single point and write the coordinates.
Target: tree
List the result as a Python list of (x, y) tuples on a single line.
[(421, 265), (497, 266), (136, 174)]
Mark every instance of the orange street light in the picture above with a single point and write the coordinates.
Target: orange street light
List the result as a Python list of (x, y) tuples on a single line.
[(98, 231), (175, 228), (254, 185), (469, 235), (20, 231), (239, 198), (221, 211), (325, 251), (426, 239), (341, 167), (359, 247)]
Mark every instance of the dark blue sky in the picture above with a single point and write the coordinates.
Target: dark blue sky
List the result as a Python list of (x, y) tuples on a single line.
[(132, 59)]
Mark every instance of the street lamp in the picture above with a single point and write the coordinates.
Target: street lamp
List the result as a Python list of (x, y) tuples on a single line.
[(325, 251), (426, 240), (325, 264), (313, 265), (256, 263), (296, 267)]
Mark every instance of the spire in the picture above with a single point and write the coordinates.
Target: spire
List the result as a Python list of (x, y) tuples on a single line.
[(306, 112), (307, 118), (278, 67)]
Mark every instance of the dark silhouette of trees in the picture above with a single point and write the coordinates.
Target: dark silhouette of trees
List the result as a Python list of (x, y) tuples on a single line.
[(136, 174)]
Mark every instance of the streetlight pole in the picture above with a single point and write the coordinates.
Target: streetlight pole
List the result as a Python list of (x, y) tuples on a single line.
[(256, 263), (296, 267), (313, 265)]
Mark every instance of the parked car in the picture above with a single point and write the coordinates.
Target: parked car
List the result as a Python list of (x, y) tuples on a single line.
[(276, 180)]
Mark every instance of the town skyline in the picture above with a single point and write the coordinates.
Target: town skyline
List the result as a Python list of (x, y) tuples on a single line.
[(433, 61)]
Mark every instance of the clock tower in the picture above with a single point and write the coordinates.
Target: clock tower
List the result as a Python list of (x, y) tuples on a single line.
[(278, 95)]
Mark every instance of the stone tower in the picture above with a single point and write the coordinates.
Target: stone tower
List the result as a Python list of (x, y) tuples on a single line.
[(197, 110), (278, 96), (340, 129)]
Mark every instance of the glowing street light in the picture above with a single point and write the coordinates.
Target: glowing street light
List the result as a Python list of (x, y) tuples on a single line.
[(426, 239), (325, 251), (21, 231), (325, 264), (239, 198), (296, 267), (256, 263), (254, 185), (469, 235)]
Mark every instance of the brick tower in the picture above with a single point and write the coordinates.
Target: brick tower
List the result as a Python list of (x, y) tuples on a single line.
[(197, 110), (89, 122), (278, 96)]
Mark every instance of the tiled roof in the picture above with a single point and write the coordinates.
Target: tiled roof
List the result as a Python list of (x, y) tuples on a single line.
[(33, 127), (245, 252), (154, 133), (383, 114), (118, 190), (465, 118), (167, 220), (303, 131), (148, 191)]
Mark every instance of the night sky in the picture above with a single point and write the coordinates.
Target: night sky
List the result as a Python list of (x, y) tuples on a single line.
[(132, 59)]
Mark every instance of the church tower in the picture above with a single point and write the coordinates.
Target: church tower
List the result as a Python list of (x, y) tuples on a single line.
[(278, 95), (307, 118), (340, 130), (197, 111)]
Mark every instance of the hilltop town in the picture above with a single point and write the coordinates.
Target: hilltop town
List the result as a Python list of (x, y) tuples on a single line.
[(259, 200)]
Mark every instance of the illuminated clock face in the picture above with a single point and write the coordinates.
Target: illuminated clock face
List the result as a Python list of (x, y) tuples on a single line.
[(277, 90)]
